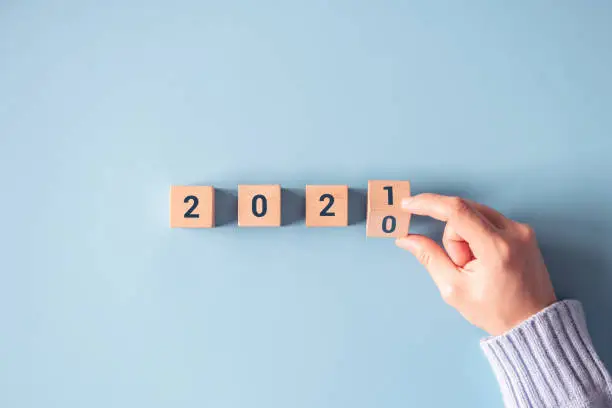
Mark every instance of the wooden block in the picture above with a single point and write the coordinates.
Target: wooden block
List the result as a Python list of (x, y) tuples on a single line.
[(192, 207), (387, 223), (385, 217), (386, 194), (327, 206), (259, 205)]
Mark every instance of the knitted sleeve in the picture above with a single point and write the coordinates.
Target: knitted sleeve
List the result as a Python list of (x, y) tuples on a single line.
[(549, 361)]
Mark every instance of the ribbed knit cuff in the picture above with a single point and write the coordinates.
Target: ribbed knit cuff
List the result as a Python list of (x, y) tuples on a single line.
[(549, 361)]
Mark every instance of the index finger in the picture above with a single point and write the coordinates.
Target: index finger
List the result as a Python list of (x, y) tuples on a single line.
[(458, 213)]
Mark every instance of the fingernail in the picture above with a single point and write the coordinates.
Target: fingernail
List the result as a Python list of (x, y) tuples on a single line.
[(406, 202)]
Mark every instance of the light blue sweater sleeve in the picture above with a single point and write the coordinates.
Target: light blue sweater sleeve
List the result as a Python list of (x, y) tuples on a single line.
[(549, 361)]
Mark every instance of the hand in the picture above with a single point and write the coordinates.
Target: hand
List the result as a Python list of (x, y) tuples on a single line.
[(492, 271)]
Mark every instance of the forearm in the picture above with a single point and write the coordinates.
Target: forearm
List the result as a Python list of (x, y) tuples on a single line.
[(549, 361)]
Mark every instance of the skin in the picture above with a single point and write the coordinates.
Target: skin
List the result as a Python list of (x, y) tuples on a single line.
[(491, 269)]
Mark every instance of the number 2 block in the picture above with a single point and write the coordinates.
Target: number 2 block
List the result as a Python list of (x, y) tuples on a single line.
[(192, 207), (385, 217), (259, 205), (326, 206)]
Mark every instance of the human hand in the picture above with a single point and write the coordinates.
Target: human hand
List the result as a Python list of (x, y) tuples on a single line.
[(492, 271)]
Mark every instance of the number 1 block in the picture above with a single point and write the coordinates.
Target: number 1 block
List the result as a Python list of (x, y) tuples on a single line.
[(192, 207), (259, 205), (385, 216)]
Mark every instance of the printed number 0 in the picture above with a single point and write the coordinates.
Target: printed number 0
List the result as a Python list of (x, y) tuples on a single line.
[(385, 225), (325, 211), (264, 205), (189, 213)]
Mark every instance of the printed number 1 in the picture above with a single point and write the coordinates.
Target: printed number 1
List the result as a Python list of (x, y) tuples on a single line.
[(389, 194)]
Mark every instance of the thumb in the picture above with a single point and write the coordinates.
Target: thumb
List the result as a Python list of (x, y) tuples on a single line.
[(432, 257)]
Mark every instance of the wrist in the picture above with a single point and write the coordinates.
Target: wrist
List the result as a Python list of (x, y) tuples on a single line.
[(519, 315), (527, 313)]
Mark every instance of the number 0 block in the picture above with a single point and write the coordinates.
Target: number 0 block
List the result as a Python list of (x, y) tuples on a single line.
[(259, 205), (385, 217), (387, 224), (192, 207), (326, 206)]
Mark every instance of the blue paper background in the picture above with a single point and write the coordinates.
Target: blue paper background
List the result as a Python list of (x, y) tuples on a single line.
[(104, 105)]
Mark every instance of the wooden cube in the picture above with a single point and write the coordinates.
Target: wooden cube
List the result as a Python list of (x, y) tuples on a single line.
[(327, 206), (385, 194), (385, 217), (259, 205), (192, 207), (387, 223)]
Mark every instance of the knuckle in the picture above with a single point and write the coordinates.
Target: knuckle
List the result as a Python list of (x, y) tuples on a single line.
[(458, 206), (527, 233), (448, 292), (479, 293)]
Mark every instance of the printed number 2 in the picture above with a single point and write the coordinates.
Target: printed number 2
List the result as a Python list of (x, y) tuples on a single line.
[(388, 224), (325, 211), (264, 205), (189, 213), (389, 194)]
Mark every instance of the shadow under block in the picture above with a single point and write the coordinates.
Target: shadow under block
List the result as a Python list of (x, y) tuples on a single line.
[(259, 205), (385, 216), (192, 207), (327, 206)]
